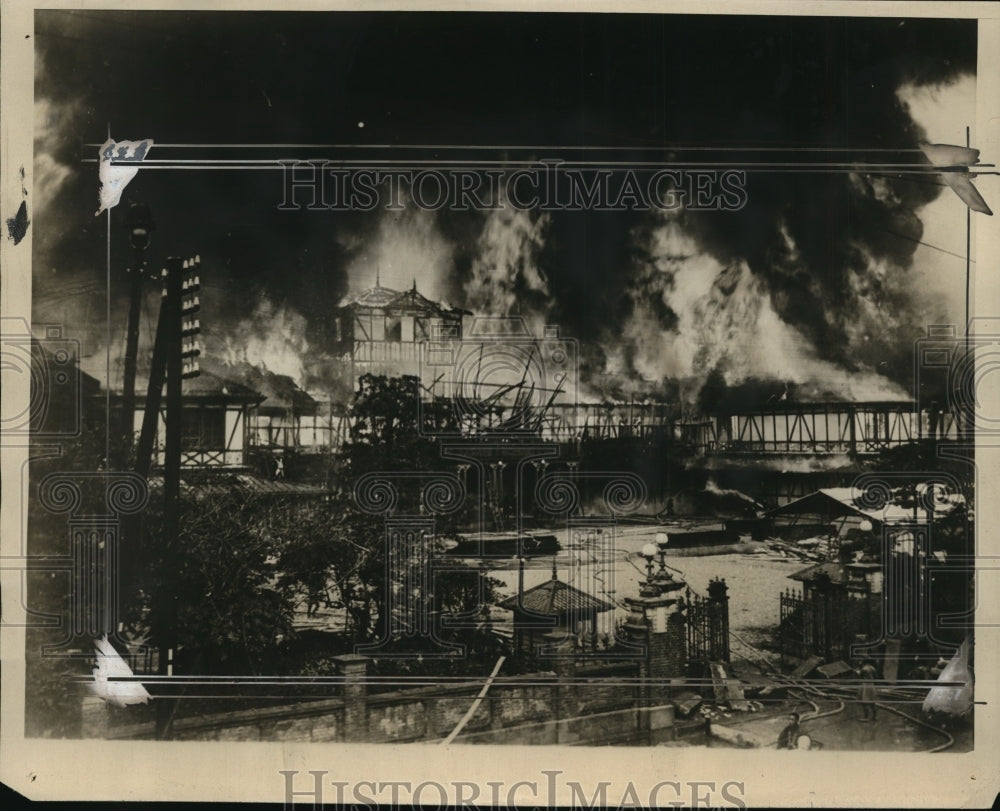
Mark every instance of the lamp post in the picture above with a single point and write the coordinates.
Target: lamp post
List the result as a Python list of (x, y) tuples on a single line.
[(500, 466), (140, 225), (652, 622), (663, 579), (662, 539), (649, 588)]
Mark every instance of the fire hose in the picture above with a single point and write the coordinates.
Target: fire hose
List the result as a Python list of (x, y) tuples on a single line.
[(476, 703), (825, 694)]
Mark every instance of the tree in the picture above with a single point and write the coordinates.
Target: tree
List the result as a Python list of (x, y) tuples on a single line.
[(52, 702), (245, 561), (385, 410), (386, 438), (232, 610), (330, 541)]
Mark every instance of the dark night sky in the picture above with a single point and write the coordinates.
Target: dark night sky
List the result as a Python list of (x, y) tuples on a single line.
[(812, 246)]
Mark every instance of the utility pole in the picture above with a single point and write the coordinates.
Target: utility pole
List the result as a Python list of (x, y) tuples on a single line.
[(177, 356), (132, 524), (166, 614), (184, 318), (968, 416), (140, 224), (154, 392)]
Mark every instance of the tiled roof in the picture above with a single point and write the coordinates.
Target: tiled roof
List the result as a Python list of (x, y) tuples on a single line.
[(555, 597), (281, 391)]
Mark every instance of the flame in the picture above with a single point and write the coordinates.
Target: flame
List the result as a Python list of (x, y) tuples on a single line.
[(691, 314), (407, 246), (505, 278), (273, 338)]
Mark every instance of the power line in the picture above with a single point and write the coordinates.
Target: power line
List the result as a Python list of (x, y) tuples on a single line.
[(926, 244)]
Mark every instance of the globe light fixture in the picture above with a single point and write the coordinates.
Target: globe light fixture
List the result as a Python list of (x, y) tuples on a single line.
[(140, 225)]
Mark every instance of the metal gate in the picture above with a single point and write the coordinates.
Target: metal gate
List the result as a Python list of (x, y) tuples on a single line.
[(707, 620)]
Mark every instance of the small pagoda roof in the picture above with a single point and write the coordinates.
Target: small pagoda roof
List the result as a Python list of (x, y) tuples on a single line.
[(834, 571), (555, 598)]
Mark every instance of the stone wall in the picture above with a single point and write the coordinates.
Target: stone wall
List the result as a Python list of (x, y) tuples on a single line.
[(599, 707)]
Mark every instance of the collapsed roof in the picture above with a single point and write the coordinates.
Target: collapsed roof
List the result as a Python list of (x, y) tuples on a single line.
[(837, 502)]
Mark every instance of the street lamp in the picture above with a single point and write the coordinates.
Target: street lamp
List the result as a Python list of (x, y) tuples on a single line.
[(140, 225), (662, 539), (664, 581), (648, 552)]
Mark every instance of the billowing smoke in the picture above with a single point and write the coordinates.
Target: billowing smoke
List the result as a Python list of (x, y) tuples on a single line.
[(49, 173), (405, 247), (814, 286), (64, 288), (505, 277), (813, 290), (691, 316)]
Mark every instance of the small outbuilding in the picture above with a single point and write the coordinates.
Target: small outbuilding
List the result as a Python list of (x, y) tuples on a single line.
[(552, 606)]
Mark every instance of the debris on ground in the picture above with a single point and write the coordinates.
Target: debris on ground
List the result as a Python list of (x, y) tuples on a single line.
[(834, 669), (686, 702), (806, 667), (727, 690)]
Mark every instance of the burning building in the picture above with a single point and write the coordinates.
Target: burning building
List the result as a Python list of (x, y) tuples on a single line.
[(288, 417), (380, 330), (215, 423)]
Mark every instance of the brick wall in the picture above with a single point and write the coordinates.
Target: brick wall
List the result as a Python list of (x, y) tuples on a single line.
[(668, 651)]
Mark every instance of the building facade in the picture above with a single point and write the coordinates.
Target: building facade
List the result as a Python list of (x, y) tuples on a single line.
[(214, 422), (383, 331)]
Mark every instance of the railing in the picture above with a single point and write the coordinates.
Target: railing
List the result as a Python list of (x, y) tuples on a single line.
[(205, 457), (825, 429), (826, 622), (143, 663), (707, 622), (304, 437)]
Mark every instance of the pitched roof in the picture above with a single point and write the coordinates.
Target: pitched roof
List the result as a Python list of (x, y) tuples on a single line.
[(45, 357), (409, 301), (835, 571), (376, 296), (412, 301), (838, 501), (281, 392), (206, 386), (556, 598)]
